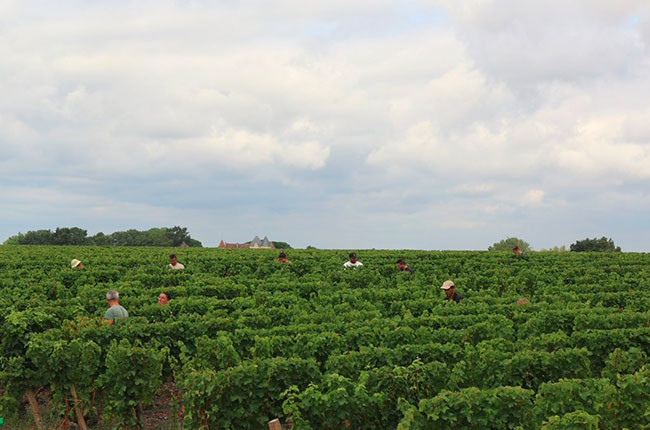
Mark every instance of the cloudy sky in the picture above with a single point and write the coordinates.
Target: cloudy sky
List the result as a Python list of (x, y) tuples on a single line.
[(431, 124)]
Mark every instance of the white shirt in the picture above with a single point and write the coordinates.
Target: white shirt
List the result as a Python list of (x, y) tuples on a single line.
[(177, 266), (351, 264)]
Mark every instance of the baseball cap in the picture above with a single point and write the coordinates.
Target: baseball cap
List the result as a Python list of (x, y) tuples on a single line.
[(447, 285), (75, 262), (352, 255)]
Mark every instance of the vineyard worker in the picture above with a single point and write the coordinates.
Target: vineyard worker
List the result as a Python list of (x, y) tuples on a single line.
[(518, 251), (163, 298), (282, 258), (173, 262), (353, 261), (115, 310), (401, 265), (450, 291), (76, 263)]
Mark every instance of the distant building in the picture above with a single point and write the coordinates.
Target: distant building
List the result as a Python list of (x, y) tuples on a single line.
[(256, 243), (264, 243), (184, 245), (223, 244)]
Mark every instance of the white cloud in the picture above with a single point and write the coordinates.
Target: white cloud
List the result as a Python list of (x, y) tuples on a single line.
[(473, 189), (243, 149), (530, 42), (597, 148), (533, 197), (480, 152)]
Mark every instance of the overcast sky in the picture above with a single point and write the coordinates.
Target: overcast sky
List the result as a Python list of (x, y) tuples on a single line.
[(437, 124)]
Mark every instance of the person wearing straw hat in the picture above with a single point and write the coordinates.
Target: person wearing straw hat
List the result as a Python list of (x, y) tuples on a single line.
[(76, 263), (450, 291)]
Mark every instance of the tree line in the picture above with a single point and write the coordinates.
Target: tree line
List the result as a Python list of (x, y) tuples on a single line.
[(163, 236), (603, 244)]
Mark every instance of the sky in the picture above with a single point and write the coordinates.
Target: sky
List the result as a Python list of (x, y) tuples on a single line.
[(431, 124)]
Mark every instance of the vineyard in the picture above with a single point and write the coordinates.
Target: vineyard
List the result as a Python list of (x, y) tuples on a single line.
[(245, 339)]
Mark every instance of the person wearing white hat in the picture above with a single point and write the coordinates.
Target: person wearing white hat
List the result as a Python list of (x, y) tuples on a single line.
[(76, 263), (450, 291)]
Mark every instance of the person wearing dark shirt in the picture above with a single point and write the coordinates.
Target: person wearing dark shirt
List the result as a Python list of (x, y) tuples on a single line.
[(401, 265), (450, 291), (282, 258)]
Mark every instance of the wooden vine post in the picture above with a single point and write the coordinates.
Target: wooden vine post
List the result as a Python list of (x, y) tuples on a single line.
[(275, 425), (33, 405), (77, 409)]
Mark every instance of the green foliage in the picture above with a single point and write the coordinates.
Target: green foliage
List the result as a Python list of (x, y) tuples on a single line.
[(247, 395), (70, 366), (509, 243), (595, 245), (194, 243), (245, 340), (218, 353), (69, 236), (572, 421), (281, 245), (337, 402), (37, 237), (61, 236), (14, 240), (17, 370), (555, 249), (132, 375), (163, 236), (497, 408), (624, 362)]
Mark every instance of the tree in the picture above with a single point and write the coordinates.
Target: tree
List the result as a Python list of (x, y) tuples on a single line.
[(100, 239), (38, 237), (162, 236), (69, 236), (509, 243), (281, 245), (14, 240), (178, 235), (193, 243), (129, 237), (555, 249), (595, 245)]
